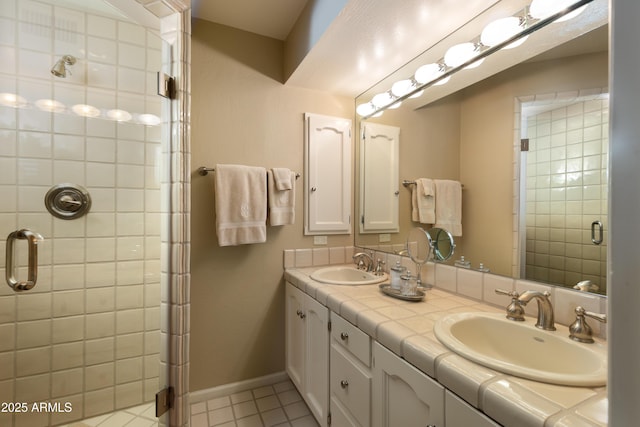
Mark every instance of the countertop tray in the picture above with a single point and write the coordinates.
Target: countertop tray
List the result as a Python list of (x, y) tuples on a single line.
[(395, 293)]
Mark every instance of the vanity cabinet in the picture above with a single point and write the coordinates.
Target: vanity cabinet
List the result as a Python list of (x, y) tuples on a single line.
[(307, 349), (403, 395), (350, 374)]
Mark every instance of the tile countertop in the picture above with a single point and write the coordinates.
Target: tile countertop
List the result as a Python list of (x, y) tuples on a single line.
[(406, 328)]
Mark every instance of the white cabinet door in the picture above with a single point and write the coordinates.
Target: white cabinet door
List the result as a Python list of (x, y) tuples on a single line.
[(402, 395), (294, 335), (316, 389), (379, 178), (327, 175), (307, 350), (459, 413)]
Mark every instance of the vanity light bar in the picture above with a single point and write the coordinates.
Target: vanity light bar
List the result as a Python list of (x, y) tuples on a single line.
[(368, 110)]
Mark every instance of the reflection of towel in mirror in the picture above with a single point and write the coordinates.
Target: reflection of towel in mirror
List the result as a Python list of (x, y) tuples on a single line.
[(423, 201), (282, 203), (241, 204), (449, 206)]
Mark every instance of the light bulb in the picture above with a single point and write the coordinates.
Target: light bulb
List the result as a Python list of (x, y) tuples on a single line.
[(119, 115), (461, 53), (541, 9), (85, 110), (500, 30), (149, 119), (50, 105), (365, 109), (402, 88), (428, 73), (382, 99), (12, 100)]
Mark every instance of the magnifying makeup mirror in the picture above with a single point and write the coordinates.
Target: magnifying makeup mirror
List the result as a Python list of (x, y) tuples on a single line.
[(419, 247), (442, 244)]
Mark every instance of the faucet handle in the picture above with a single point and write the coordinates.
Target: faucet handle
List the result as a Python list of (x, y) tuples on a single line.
[(515, 311), (379, 271), (580, 329)]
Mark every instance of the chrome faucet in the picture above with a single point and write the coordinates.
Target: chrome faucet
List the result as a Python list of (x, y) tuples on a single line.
[(363, 261), (545, 309)]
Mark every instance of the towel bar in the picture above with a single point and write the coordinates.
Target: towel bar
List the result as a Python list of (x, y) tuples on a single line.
[(407, 183), (203, 171)]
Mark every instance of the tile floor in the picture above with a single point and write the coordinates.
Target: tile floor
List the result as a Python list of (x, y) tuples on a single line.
[(138, 416), (277, 405), (270, 406)]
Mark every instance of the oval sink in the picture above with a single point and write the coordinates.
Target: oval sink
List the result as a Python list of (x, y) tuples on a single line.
[(346, 275), (522, 350)]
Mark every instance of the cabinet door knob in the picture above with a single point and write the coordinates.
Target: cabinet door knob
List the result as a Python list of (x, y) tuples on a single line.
[(344, 383), (344, 336)]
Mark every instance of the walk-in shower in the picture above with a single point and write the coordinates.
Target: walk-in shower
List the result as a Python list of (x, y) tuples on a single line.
[(91, 337)]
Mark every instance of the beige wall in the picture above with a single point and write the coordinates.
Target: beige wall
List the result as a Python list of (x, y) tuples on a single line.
[(241, 113)]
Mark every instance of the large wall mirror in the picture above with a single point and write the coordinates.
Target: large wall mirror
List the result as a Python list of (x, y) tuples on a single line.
[(470, 130)]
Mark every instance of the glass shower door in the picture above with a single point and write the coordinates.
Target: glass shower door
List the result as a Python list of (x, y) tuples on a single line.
[(79, 296)]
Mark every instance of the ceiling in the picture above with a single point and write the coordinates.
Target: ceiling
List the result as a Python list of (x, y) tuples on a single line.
[(271, 18)]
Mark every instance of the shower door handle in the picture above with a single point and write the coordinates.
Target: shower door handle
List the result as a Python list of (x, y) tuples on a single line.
[(32, 269), (598, 240)]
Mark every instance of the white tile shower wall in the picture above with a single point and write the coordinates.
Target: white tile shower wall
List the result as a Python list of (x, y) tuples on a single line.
[(89, 333), (475, 284), (566, 190)]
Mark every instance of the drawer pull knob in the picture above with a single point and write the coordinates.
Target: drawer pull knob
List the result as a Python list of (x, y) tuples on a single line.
[(344, 383), (344, 336)]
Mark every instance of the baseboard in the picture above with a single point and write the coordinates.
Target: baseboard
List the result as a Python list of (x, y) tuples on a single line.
[(227, 389)]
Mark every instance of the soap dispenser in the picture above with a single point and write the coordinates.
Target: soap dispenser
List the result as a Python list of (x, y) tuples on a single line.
[(397, 272)]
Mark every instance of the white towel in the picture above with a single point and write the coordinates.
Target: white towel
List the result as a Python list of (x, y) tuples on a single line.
[(423, 202), (282, 177), (241, 204), (282, 203), (449, 206)]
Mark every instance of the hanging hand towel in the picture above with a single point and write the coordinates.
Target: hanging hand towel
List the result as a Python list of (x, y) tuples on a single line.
[(426, 200), (282, 178), (241, 204), (282, 203), (449, 206)]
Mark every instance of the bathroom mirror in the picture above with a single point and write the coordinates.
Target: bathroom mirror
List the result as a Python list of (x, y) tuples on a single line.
[(468, 134), (442, 244)]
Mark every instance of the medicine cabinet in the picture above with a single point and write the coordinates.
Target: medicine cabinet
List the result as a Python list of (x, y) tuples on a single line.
[(379, 178), (327, 190)]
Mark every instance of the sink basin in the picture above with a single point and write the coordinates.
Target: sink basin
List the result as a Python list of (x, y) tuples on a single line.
[(521, 349), (346, 275)]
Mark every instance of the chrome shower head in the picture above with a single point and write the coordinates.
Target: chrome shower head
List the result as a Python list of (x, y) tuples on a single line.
[(60, 67)]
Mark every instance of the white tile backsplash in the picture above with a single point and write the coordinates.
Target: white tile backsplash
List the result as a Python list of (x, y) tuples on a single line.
[(475, 284)]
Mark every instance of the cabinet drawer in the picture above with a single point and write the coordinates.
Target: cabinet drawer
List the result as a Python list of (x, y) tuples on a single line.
[(350, 384), (352, 338)]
